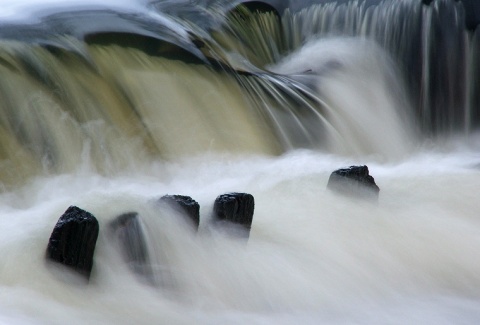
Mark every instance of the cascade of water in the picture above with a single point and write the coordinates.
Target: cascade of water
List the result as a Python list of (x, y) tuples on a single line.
[(441, 81), (430, 44), (111, 119), (366, 117), (58, 113)]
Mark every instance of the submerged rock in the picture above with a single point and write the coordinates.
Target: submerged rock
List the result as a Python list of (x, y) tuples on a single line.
[(73, 239), (235, 209), (353, 181), (185, 206), (127, 232)]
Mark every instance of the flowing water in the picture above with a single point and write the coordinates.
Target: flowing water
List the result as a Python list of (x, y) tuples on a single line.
[(110, 105)]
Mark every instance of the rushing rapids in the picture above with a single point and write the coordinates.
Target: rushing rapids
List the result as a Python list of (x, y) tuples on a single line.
[(108, 105), (90, 71)]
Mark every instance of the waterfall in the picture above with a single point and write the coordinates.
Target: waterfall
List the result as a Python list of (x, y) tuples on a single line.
[(107, 92), (430, 44), (110, 105)]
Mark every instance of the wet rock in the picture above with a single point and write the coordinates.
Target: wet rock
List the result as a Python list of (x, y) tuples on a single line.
[(235, 209), (73, 239), (354, 181), (127, 233), (185, 206)]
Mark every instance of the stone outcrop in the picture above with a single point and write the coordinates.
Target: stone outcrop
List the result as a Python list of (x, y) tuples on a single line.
[(354, 181), (127, 233), (235, 209), (73, 239), (184, 205)]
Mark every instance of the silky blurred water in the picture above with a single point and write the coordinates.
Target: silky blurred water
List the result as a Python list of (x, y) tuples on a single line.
[(313, 256), (112, 128)]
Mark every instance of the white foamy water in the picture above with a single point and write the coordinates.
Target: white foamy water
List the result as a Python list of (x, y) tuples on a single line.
[(362, 94), (31, 10), (140, 126), (312, 257)]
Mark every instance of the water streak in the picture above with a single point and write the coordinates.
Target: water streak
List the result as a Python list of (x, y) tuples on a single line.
[(112, 107)]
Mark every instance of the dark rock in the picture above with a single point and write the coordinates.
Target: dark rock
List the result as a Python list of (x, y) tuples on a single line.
[(73, 239), (353, 181), (185, 206), (236, 209), (127, 232)]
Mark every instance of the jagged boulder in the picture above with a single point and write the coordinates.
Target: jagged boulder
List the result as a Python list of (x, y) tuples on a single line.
[(354, 181), (183, 205), (235, 209), (127, 233), (73, 239)]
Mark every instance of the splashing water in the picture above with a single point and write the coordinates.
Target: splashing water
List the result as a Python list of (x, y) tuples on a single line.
[(177, 98), (365, 102)]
